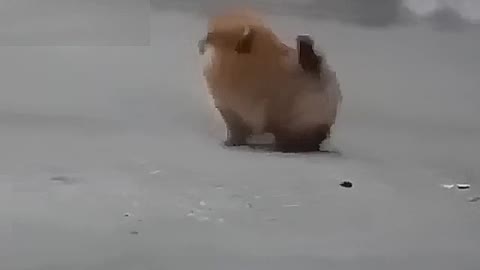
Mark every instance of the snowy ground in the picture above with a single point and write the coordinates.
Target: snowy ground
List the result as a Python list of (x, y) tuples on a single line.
[(111, 159)]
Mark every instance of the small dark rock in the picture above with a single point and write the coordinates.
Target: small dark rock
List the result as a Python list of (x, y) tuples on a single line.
[(463, 186), (346, 184), (134, 232)]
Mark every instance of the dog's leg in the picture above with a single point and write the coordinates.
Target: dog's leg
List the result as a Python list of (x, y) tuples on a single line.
[(307, 58), (237, 130), (297, 142)]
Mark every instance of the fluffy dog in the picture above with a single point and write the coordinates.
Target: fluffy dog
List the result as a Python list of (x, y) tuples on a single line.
[(260, 85)]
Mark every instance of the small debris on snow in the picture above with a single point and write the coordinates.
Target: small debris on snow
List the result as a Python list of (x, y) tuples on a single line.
[(191, 214), (346, 184), (155, 172), (127, 214), (134, 232), (459, 186), (463, 186), (203, 203), (63, 179), (448, 186), (474, 199), (249, 205), (59, 178), (291, 205)]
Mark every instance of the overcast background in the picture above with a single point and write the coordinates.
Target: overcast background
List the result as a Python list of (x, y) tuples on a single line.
[(74, 22)]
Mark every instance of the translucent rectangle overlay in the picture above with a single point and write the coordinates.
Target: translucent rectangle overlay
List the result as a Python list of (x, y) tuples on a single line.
[(74, 22)]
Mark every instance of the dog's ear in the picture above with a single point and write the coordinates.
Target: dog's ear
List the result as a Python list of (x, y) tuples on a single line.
[(244, 45)]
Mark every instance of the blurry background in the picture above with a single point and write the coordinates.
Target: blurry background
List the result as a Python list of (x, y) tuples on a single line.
[(379, 13), (126, 22), (74, 22), (110, 158)]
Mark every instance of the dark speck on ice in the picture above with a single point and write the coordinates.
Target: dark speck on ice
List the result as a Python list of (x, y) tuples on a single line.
[(346, 184), (463, 186)]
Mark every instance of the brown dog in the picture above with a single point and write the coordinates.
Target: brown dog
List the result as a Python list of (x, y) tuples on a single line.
[(260, 85)]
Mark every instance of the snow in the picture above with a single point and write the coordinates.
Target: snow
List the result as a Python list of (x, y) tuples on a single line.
[(130, 130), (74, 22)]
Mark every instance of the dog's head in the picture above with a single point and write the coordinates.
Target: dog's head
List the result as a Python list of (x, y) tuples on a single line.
[(236, 31), (238, 38)]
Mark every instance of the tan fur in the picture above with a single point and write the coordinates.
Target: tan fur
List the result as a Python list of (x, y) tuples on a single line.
[(266, 87)]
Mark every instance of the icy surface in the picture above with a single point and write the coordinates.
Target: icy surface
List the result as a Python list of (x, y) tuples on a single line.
[(111, 159)]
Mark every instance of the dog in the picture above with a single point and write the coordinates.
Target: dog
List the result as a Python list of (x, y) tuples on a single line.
[(260, 85)]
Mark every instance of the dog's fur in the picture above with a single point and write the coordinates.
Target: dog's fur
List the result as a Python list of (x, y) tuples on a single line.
[(259, 85)]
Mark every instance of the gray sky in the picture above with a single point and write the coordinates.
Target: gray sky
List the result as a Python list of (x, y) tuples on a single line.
[(362, 12)]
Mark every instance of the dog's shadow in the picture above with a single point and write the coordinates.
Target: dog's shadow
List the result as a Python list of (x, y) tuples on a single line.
[(270, 148)]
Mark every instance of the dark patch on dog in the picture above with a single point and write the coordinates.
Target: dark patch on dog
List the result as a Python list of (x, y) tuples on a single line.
[(301, 142), (237, 130), (245, 44), (308, 59)]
